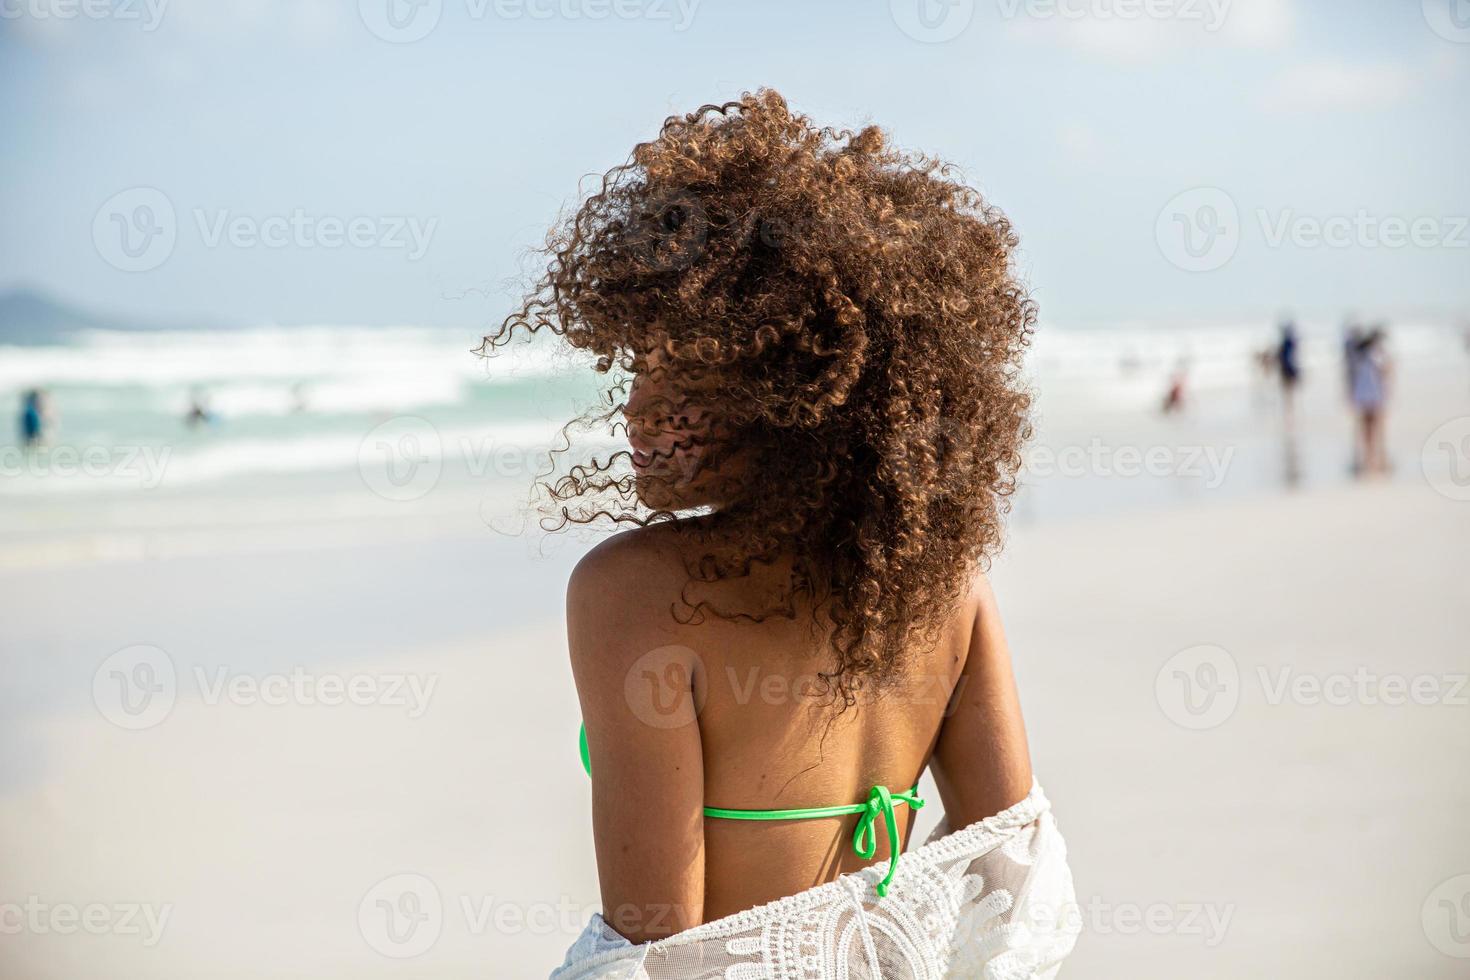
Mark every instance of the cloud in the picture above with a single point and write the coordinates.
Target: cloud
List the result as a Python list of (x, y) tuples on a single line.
[(56, 22), (300, 21), (1260, 23), (1327, 86), (1079, 141), (1133, 31)]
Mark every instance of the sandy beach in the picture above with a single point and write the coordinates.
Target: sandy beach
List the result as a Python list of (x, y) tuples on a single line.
[(308, 725), (260, 838)]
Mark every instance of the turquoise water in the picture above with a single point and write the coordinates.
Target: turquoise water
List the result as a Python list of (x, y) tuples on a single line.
[(276, 402), (309, 407)]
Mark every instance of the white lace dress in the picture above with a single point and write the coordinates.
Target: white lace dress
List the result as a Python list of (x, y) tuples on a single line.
[(993, 900)]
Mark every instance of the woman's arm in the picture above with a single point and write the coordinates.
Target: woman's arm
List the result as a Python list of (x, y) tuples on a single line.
[(981, 763), (636, 686)]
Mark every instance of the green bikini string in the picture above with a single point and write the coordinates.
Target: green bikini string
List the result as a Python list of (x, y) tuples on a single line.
[(864, 838)]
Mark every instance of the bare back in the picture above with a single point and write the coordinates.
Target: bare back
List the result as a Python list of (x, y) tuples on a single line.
[(730, 713)]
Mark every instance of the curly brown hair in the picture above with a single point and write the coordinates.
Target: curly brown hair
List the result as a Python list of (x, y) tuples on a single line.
[(846, 320)]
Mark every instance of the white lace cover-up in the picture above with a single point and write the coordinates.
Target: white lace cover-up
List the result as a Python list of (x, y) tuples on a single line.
[(992, 901)]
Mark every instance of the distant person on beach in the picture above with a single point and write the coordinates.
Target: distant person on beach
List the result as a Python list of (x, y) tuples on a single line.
[(1174, 394), (1288, 367), (299, 402), (32, 417), (821, 435), (1352, 336), (1368, 372), (198, 413)]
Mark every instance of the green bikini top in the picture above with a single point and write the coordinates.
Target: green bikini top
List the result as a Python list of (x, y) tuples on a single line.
[(864, 839)]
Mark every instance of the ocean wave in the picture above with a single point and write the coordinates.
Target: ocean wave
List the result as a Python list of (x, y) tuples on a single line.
[(172, 358)]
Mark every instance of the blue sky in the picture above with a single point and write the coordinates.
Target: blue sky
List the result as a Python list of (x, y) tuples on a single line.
[(277, 130)]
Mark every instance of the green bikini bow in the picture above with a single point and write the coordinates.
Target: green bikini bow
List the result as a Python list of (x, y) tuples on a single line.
[(864, 838)]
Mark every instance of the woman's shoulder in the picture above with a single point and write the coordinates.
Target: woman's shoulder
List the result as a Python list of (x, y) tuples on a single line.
[(629, 564), (621, 594)]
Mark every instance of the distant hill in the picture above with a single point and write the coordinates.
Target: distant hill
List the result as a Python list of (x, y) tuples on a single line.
[(29, 316)]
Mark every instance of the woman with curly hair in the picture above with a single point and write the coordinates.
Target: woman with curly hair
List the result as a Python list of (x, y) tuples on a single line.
[(812, 343)]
